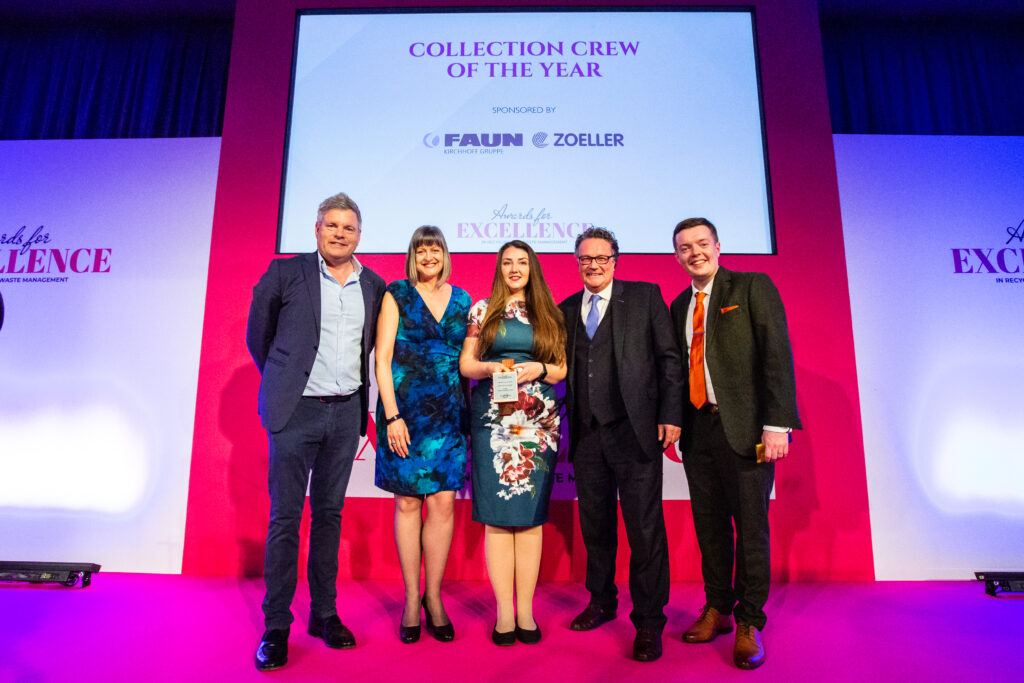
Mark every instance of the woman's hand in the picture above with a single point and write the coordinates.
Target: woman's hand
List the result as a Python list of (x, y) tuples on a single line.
[(398, 438), (528, 371)]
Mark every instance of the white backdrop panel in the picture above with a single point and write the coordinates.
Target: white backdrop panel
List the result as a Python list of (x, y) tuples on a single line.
[(104, 246), (935, 254)]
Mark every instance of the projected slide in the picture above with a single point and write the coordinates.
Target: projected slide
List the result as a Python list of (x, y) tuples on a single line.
[(104, 249), (527, 125)]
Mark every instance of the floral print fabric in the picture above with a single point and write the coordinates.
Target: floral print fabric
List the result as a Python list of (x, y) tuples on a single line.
[(513, 455)]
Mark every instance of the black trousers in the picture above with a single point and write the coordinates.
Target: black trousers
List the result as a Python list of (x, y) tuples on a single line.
[(608, 459), (729, 496), (320, 438)]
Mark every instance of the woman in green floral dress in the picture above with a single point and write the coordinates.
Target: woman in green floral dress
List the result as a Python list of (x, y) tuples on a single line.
[(514, 447)]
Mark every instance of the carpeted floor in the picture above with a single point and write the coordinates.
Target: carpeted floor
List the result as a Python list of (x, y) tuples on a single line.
[(139, 627)]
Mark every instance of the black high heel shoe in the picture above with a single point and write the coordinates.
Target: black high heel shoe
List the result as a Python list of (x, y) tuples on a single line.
[(444, 634), (408, 634)]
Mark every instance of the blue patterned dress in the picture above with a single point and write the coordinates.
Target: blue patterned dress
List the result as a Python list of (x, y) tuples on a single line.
[(513, 456), (428, 391)]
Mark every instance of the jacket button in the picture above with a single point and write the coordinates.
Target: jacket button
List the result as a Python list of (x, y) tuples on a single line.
[(307, 374)]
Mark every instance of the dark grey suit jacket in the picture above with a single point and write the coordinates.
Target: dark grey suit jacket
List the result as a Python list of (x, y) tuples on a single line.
[(748, 355), (646, 357), (283, 334)]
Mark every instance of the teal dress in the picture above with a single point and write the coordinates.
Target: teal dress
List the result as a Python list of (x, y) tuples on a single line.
[(513, 456), (428, 391)]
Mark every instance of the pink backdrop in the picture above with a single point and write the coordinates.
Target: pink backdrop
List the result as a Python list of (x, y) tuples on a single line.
[(820, 524)]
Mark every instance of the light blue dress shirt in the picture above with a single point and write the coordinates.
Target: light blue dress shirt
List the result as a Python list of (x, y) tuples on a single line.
[(336, 370)]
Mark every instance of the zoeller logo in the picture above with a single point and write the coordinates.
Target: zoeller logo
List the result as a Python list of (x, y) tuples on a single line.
[(992, 260), (579, 140)]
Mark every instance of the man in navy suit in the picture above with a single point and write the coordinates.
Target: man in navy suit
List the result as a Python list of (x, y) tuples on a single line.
[(740, 392), (623, 394), (312, 325)]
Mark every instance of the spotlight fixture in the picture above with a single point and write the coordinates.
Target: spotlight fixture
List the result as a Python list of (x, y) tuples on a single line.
[(1001, 582), (67, 573)]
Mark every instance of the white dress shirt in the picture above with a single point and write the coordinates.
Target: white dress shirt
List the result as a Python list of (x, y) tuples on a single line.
[(603, 298)]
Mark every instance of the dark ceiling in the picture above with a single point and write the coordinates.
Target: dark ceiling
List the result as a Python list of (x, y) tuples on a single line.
[(128, 9)]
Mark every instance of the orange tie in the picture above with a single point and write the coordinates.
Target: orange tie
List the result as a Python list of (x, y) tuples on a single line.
[(698, 390)]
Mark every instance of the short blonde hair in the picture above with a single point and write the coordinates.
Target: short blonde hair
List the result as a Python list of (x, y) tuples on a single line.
[(427, 236)]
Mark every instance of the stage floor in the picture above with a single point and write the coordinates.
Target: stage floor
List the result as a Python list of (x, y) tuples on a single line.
[(145, 627)]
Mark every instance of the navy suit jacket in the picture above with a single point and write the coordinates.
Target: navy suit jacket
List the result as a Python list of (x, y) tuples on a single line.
[(748, 355), (283, 334), (647, 360)]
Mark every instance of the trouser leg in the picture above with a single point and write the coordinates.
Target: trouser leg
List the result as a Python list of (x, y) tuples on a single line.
[(328, 484), (292, 452), (596, 494)]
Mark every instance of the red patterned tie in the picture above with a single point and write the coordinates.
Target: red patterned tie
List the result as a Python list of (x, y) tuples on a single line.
[(698, 391)]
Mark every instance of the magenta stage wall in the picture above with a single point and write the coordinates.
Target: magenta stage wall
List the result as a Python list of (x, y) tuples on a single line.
[(820, 515)]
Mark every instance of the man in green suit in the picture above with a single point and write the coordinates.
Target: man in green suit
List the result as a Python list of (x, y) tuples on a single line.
[(741, 395)]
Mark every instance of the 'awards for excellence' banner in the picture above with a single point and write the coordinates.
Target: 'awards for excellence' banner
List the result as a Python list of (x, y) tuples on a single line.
[(527, 125)]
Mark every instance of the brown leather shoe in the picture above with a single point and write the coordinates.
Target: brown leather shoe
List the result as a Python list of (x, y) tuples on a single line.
[(709, 624), (748, 653)]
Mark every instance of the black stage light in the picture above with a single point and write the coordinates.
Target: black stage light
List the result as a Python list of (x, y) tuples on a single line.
[(1002, 582), (67, 573)]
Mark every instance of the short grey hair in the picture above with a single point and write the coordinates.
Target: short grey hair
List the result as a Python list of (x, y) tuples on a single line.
[(596, 233), (340, 202)]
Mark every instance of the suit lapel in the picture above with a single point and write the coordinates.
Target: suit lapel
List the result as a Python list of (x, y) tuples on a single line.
[(684, 303), (368, 298), (723, 283), (571, 326), (620, 324), (311, 274)]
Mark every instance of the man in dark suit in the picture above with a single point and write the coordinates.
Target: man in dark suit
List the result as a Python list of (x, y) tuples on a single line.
[(312, 325), (741, 392), (623, 398)]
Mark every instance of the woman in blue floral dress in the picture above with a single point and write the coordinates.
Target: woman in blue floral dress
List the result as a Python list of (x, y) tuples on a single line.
[(421, 421), (514, 447)]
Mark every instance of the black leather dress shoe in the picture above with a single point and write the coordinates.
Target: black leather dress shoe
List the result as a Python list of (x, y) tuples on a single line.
[(592, 617), (444, 634), (272, 652), (332, 631), (647, 645), (503, 639), (528, 637)]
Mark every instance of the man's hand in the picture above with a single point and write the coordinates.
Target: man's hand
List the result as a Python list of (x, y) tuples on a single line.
[(668, 434), (776, 445)]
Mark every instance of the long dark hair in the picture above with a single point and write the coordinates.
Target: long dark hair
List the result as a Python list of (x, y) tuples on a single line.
[(545, 317)]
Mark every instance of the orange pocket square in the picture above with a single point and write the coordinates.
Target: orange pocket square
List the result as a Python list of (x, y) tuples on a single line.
[(727, 309)]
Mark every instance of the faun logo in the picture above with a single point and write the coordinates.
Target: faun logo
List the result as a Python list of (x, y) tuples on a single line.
[(474, 140), (1005, 260), (28, 256)]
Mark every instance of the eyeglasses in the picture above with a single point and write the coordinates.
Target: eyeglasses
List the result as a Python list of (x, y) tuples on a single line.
[(599, 260)]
